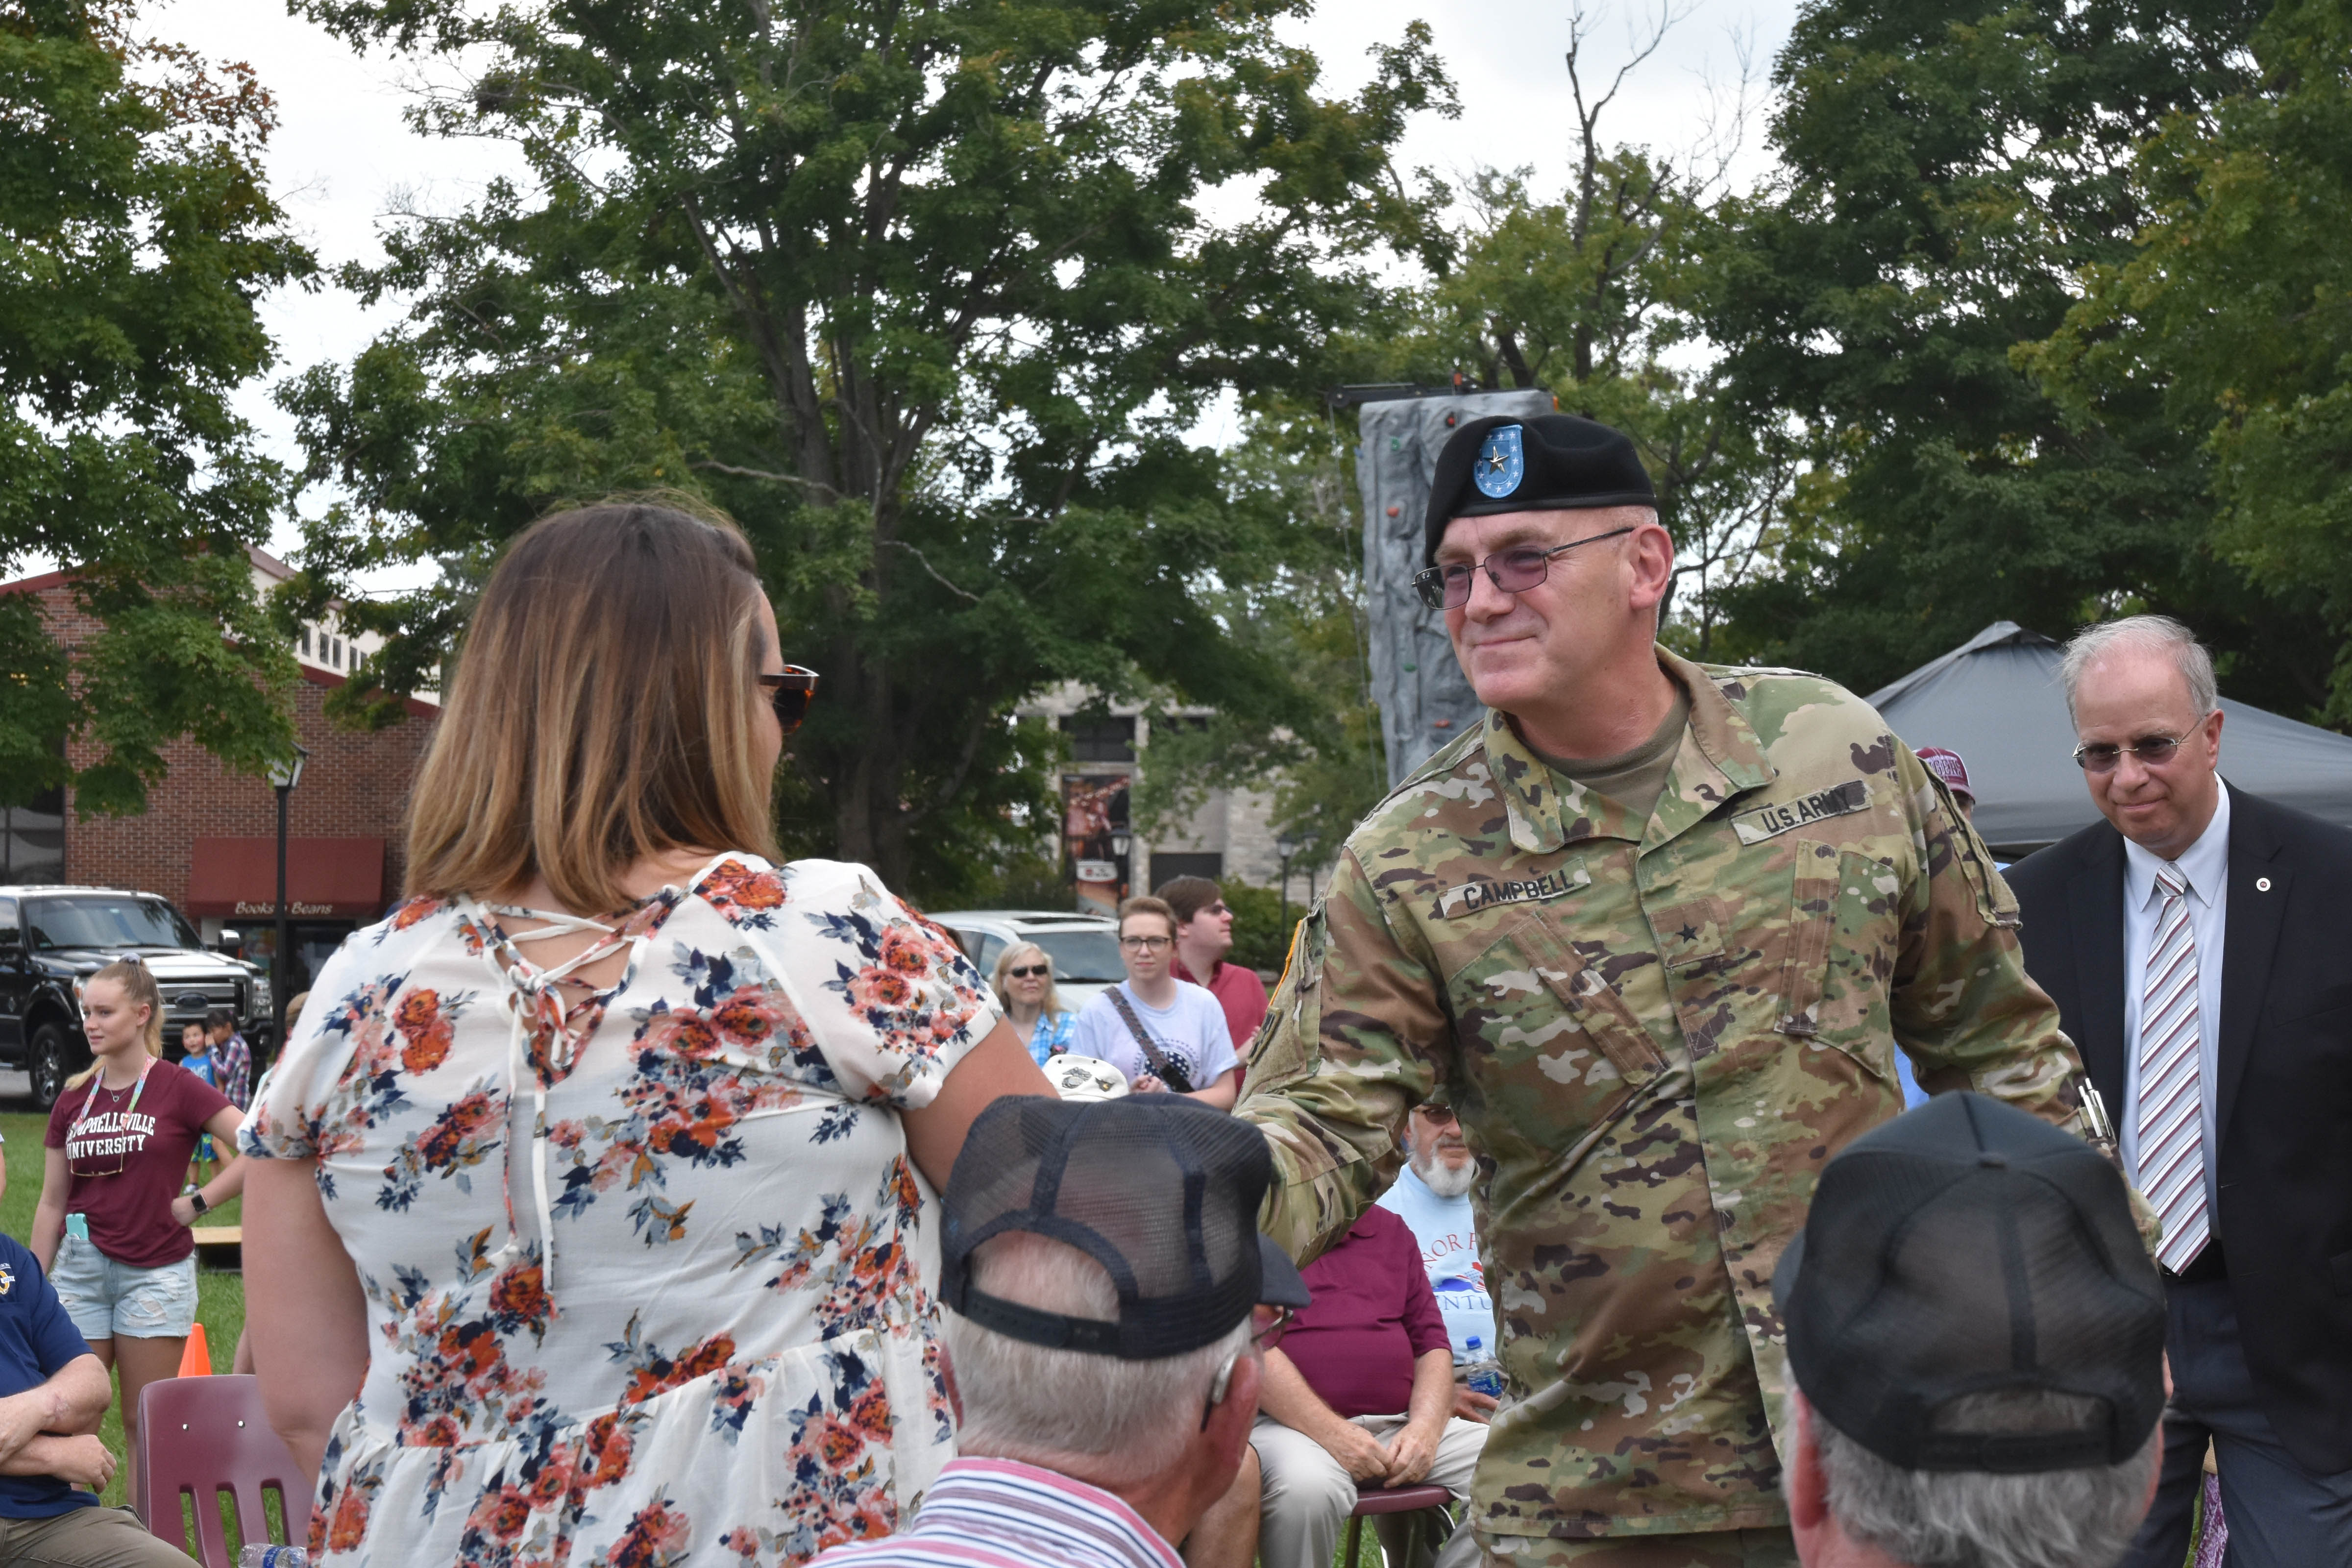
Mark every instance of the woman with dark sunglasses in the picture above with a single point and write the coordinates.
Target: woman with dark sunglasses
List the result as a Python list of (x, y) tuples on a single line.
[(1024, 983), (594, 1171)]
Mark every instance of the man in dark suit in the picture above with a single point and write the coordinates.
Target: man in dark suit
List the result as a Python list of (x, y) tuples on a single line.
[(2199, 945)]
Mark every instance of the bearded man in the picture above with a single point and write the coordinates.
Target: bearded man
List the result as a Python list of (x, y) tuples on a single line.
[(1431, 1196)]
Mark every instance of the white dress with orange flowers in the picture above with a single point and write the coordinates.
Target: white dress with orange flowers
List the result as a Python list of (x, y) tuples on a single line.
[(648, 1278)]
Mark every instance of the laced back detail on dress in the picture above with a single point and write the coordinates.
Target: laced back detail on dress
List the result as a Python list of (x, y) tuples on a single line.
[(557, 1025), (549, 1029)]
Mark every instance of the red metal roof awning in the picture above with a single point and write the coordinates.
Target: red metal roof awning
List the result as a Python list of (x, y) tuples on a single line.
[(332, 878)]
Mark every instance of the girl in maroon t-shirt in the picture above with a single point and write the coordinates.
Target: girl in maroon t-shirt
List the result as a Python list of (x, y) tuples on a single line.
[(111, 1228)]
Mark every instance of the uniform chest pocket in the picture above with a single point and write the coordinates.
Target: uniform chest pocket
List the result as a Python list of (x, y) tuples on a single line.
[(1845, 924), (1542, 1029)]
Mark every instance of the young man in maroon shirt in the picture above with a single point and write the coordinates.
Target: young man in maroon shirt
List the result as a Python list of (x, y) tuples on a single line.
[(1362, 1394), (1204, 934)]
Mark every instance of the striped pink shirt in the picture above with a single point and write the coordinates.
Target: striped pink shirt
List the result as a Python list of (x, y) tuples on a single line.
[(1001, 1513)]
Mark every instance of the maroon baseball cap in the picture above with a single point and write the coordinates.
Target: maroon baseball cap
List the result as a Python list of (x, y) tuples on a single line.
[(1946, 764)]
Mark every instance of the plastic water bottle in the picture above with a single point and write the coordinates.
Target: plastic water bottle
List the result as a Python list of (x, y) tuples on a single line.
[(261, 1554), (1486, 1374)]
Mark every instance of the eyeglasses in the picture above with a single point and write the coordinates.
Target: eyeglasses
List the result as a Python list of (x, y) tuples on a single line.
[(1029, 971), (1440, 1114), (2153, 751), (1514, 571), (790, 692), (1148, 943), (1268, 1324)]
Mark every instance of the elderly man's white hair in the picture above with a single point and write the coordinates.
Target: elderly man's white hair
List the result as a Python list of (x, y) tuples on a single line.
[(2142, 634), (1108, 1420), (1972, 1518)]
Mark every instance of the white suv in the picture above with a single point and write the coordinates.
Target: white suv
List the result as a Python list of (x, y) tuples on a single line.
[(1084, 948)]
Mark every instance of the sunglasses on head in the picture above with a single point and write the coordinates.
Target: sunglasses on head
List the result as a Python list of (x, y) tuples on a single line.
[(790, 692)]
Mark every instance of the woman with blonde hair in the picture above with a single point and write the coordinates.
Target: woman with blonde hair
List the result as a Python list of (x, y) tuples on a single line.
[(1033, 1006), (598, 1169), (112, 1226)]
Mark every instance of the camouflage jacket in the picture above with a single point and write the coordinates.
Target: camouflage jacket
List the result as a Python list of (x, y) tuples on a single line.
[(1655, 1036)]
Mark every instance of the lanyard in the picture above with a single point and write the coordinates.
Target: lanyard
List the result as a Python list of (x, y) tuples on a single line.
[(99, 1077)]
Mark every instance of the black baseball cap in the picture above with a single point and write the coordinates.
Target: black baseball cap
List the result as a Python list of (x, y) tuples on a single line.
[(1555, 462), (1160, 1190), (1965, 1247)]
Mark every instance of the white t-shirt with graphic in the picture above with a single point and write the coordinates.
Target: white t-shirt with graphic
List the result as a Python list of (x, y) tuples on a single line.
[(1449, 1250), (1191, 1030)]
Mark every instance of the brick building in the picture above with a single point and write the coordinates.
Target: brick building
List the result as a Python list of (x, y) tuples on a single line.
[(208, 838)]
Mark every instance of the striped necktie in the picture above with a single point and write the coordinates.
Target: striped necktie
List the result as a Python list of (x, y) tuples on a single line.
[(2171, 1125)]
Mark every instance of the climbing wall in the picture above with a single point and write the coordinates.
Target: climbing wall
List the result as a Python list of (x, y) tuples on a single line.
[(1425, 701)]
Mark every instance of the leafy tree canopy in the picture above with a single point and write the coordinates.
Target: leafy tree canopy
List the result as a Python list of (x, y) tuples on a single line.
[(136, 234), (2233, 315), (924, 297), (1948, 173)]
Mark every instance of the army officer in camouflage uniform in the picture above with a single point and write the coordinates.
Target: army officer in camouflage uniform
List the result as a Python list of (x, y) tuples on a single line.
[(1655, 930)]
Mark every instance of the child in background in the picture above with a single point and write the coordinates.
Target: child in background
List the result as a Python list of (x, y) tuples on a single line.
[(232, 1060), (196, 1056)]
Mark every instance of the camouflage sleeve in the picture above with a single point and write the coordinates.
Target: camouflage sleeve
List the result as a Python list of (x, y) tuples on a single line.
[(1352, 1040), (1962, 1004)]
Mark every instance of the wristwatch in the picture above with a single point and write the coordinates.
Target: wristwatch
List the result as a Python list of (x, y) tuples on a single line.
[(198, 1199)]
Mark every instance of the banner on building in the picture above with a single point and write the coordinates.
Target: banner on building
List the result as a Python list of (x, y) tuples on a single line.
[(1096, 838)]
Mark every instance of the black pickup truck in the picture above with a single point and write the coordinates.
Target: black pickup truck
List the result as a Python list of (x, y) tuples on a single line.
[(52, 938)]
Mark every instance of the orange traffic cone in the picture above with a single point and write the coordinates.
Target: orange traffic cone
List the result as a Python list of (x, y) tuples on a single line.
[(197, 1360)]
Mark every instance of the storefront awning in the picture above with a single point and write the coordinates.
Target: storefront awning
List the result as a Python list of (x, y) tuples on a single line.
[(329, 878)]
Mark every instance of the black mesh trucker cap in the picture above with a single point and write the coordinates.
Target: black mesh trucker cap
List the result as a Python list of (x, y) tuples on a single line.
[(1161, 1191), (1963, 1247), (1555, 462)]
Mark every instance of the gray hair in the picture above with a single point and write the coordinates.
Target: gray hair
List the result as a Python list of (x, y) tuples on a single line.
[(1095, 1417), (2143, 634), (1975, 1518)]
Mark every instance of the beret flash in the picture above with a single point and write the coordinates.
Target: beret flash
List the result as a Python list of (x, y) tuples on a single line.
[(1556, 462)]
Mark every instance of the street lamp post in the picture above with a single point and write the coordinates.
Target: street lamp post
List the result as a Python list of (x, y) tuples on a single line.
[(283, 777), (1289, 846)]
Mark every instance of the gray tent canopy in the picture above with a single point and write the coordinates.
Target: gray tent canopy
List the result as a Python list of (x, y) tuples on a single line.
[(1997, 700)]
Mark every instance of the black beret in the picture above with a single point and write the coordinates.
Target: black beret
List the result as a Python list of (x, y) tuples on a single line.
[(1555, 462)]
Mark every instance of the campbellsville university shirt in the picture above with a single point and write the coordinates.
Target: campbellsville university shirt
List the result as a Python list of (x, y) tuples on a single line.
[(1372, 1317), (129, 1213)]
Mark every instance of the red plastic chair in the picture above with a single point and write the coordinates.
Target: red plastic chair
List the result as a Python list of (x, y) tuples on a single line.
[(1389, 1499), (202, 1436)]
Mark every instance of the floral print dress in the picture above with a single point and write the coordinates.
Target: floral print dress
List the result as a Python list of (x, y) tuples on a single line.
[(648, 1276)]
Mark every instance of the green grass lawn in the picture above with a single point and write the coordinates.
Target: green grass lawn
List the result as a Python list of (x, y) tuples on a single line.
[(220, 1294)]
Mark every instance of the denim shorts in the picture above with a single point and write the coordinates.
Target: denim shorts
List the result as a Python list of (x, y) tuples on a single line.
[(104, 1298)]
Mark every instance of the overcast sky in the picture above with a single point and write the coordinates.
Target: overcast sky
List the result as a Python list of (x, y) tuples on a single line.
[(342, 157)]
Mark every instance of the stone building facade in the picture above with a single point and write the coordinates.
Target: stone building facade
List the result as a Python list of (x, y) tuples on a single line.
[(1232, 835)]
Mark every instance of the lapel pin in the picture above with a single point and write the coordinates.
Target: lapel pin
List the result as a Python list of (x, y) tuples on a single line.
[(2261, 884)]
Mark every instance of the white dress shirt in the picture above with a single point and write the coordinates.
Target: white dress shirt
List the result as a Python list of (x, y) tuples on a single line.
[(2205, 867)]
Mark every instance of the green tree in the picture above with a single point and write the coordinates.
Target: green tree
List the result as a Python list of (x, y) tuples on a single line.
[(138, 234), (1588, 295), (1323, 766), (924, 295), (1948, 172), (2233, 316)]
